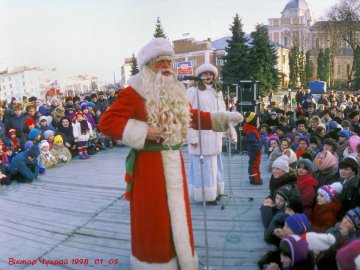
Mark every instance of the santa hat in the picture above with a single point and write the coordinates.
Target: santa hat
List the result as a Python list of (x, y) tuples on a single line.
[(156, 47), (48, 133), (57, 139), (206, 67), (30, 122), (347, 255), (298, 248), (43, 143), (281, 163), (354, 215), (298, 223), (251, 118), (320, 241), (12, 132), (329, 191)]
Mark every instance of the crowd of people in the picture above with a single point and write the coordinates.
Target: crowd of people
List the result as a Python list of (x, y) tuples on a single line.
[(36, 135), (312, 212)]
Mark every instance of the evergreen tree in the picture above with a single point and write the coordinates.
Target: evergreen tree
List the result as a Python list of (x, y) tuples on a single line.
[(320, 65), (294, 67), (159, 32), (263, 60), (134, 68), (327, 65), (302, 74), (309, 67), (236, 64), (357, 67)]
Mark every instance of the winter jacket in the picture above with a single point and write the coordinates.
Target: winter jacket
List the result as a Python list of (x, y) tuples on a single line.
[(267, 214), (22, 169), (46, 159), (307, 186), (62, 154), (327, 176), (350, 195), (81, 137), (323, 217), (278, 221), (276, 183)]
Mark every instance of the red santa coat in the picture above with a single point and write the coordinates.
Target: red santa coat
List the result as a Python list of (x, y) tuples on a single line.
[(161, 228)]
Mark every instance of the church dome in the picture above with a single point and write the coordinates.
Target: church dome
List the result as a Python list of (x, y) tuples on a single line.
[(296, 4)]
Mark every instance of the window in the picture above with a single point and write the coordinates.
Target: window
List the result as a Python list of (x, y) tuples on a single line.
[(9, 78), (194, 62), (317, 43), (219, 61), (10, 85), (286, 41), (23, 83)]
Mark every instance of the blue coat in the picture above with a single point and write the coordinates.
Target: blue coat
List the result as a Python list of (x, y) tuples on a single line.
[(22, 167)]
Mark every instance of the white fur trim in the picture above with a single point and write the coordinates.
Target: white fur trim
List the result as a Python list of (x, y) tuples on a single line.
[(220, 188), (135, 134), (219, 122), (156, 47), (206, 67), (178, 216), (357, 262), (139, 265), (319, 241), (210, 194), (136, 82)]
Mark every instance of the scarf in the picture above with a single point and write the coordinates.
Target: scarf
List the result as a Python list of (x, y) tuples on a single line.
[(306, 180), (16, 145)]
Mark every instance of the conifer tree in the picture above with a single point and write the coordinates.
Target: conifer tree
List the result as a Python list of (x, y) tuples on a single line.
[(302, 74), (357, 67), (134, 69), (236, 59), (309, 67), (320, 65), (294, 67), (159, 32), (263, 60), (327, 65)]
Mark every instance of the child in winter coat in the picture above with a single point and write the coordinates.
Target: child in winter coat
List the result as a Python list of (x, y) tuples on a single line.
[(46, 157), (61, 153), (13, 142), (325, 212), (49, 135), (306, 184), (253, 146), (82, 133)]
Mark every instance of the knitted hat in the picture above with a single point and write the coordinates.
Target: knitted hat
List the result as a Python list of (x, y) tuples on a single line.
[(285, 191), (43, 143), (307, 163), (30, 122), (156, 47), (349, 162), (320, 241), (57, 139), (206, 67), (28, 144), (43, 118), (34, 151), (53, 100), (333, 125), (273, 138), (345, 133), (298, 248), (251, 118), (329, 191), (48, 133), (298, 223), (347, 255), (83, 106), (306, 139), (34, 133), (281, 163), (11, 131), (79, 113), (354, 215), (90, 104), (70, 108)]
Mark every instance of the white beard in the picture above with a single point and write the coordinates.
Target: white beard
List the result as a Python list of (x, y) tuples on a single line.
[(166, 105)]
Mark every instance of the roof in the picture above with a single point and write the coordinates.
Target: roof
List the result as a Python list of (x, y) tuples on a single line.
[(296, 4), (221, 43)]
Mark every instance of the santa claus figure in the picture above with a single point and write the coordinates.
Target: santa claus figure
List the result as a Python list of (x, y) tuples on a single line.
[(152, 116)]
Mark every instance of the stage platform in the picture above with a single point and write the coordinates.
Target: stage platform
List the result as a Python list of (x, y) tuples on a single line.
[(73, 214)]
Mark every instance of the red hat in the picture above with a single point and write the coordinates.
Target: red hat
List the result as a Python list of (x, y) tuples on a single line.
[(79, 113), (12, 131), (30, 122)]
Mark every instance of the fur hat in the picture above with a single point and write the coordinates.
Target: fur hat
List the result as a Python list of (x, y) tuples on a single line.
[(251, 118), (298, 247), (307, 163), (28, 144), (34, 133), (30, 122), (281, 163), (354, 215), (43, 118), (43, 143), (298, 223), (345, 133), (320, 241), (58, 113), (53, 100), (295, 203), (48, 133), (206, 67), (346, 257), (349, 162), (156, 47), (329, 191), (57, 139), (34, 151)]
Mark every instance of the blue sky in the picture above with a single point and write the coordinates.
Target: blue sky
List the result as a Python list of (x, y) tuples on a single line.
[(94, 36)]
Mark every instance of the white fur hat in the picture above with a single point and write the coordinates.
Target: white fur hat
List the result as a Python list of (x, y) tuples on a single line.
[(156, 47), (43, 143), (281, 163), (206, 67), (319, 241)]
